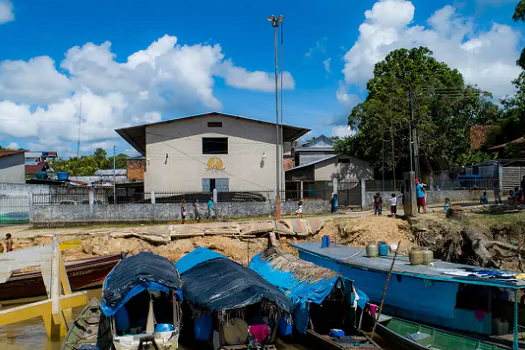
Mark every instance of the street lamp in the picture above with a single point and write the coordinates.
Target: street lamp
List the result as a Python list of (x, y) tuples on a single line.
[(275, 23)]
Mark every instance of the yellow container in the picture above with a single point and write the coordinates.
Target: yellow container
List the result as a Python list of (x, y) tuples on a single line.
[(372, 250), (416, 256), (428, 256)]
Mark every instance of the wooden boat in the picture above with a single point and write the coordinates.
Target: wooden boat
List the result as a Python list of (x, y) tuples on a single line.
[(82, 274), (90, 328), (413, 336)]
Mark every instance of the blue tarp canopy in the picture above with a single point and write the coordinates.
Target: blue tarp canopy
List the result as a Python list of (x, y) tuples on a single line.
[(214, 283), (300, 289), (135, 274)]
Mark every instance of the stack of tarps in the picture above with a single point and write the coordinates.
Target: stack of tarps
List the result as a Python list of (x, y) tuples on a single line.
[(303, 282), (217, 287), (135, 274)]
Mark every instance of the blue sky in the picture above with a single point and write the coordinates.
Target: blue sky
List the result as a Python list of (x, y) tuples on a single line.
[(216, 55)]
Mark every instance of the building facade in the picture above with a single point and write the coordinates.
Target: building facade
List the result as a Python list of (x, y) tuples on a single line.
[(316, 149), (136, 167), (12, 166), (209, 151)]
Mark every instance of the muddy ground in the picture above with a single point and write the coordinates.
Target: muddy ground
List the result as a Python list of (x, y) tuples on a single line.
[(443, 235)]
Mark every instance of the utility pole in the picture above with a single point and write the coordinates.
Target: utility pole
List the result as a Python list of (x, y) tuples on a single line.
[(282, 137), (278, 169), (114, 174), (410, 140)]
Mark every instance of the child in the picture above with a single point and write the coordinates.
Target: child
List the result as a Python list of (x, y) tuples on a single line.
[(299, 210), (8, 243), (484, 199), (183, 211), (196, 208), (378, 204), (393, 205), (497, 193), (211, 213), (447, 207), (511, 200), (517, 195)]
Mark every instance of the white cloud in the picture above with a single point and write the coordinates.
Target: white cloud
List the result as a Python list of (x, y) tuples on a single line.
[(13, 145), (6, 11), (342, 131), (346, 99), (37, 101), (486, 58), (326, 64)]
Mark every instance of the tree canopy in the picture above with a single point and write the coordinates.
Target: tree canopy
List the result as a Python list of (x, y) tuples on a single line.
[(87, 165), (519, 15), (444, 109)]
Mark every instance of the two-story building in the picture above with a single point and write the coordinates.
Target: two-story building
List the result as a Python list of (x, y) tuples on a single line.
[(209, 151), (12, 166)]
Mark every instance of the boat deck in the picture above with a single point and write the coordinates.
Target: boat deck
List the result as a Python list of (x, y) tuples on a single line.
[(438, 270)]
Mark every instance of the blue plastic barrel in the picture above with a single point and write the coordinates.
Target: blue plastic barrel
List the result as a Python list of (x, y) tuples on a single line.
[(326, 242), (203, 327), (383, 248), (62, 176), (164, 327)]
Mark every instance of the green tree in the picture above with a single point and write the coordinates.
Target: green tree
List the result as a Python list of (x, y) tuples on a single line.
[(519, 15), (444, 110)]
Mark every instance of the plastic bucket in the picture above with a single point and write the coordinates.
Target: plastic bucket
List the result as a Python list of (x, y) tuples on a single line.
[(326, 242)]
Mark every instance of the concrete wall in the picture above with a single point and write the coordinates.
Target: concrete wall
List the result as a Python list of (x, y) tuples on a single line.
[(15, 190), (249, 164), (308, 157), (12, 168), (433, 197), (355, 170), (69, 215)]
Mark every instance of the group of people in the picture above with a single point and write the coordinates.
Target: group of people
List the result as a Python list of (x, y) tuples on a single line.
[(197, 210), (515, 197), (378, 204)]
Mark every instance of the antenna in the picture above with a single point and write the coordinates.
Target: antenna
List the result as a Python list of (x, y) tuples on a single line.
[(79, 123)]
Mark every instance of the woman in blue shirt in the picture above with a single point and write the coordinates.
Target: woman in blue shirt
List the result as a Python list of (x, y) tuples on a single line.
[(420, 197)]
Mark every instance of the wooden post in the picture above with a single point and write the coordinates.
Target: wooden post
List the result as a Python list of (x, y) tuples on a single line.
[(515, 344), (384, 290)]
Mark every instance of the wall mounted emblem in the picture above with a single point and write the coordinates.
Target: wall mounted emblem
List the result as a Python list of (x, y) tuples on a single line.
[(215, 164)]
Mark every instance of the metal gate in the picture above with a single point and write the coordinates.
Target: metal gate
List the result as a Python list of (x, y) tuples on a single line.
[(349, 194), (14, 210), (511, 177)]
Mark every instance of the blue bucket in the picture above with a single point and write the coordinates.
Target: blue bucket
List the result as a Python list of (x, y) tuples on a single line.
[(164, 327), (326, 242)]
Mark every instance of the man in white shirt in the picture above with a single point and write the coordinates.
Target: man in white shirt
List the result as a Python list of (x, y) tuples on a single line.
[(393, 205)]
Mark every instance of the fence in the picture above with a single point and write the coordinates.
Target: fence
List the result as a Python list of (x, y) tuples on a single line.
[(386, 185), (14, 210)]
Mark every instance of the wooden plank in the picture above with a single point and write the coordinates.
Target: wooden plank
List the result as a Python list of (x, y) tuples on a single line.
[(72, 243), (66, 287), (55, 282)]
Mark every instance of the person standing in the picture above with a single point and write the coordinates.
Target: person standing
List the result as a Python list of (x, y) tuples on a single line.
[(196, 208), (378, 204), (8, 243), (523, 186), (393, 205), (299, 210), (420, 197), (183, 211), (497, 193), (211, 213)]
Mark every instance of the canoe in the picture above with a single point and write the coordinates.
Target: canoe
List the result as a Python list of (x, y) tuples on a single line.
[(326, 342), (90, 328), (413, 336), (82, 274)]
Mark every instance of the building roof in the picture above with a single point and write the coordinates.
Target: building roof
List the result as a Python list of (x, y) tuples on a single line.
[(109, 172), (517, 141), (34, 168), (5, 152), (319, 141), (314, 162), (136, 135)]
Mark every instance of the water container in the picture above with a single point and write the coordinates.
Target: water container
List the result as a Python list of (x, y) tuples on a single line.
[(372, 250), (428, 256), (62, 176), (164, 327), (326, 242), (383, 249), (416, 256), (500, 327), (41, 175)]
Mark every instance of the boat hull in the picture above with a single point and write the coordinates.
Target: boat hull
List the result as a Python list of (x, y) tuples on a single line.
[(82, 274)]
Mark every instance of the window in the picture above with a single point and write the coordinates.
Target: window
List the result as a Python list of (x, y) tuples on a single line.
[(343, 161), (214, 145), (214, 124), (222, 185)]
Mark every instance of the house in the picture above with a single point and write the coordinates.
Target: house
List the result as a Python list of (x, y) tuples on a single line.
[(12, 166), (315, 179), (209, 151), (315, 149), (36, 162)]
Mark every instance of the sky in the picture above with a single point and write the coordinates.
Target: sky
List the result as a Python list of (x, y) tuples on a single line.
[(117, 63)]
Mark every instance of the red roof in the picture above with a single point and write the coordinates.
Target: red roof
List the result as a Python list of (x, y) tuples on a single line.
[(517, 141), (34, 168), (5, 153)]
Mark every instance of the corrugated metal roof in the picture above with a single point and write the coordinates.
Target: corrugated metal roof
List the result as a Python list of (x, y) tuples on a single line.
[(5, 153), (109, 172)]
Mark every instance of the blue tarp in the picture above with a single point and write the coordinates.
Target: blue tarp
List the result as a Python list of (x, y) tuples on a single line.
[(135, 274), (197, 256), (219, 284), (302, 293)]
